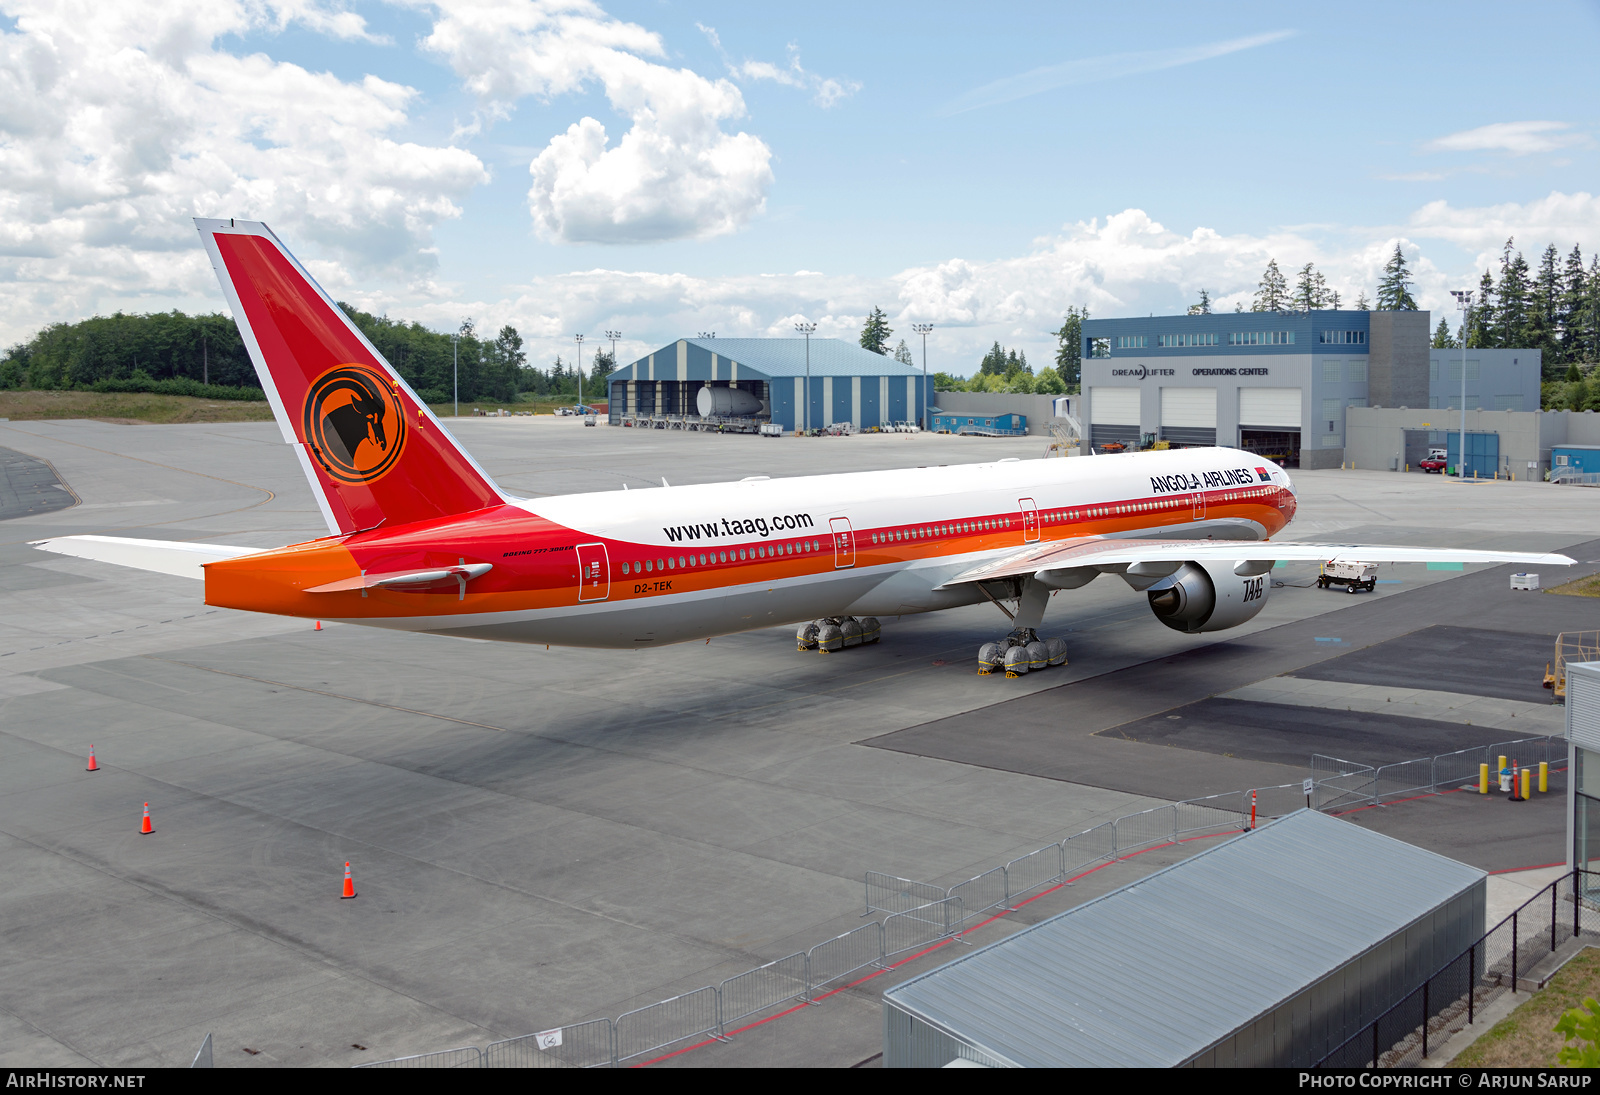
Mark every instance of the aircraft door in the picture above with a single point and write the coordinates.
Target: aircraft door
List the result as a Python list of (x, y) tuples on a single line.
[(1030, 520), (844, 543), (1199, 505), (594, 573)]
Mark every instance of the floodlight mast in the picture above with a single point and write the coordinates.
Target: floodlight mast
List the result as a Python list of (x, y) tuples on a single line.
[(1464, 302), (923, 329), (455, 368), (806, 329), (580, 372)]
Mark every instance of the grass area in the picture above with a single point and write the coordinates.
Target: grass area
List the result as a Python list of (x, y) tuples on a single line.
[(1579, 587), (537, 406), (1524, 1039), (137, 407), (132, 408)]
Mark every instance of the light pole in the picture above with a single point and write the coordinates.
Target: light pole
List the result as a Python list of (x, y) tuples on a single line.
[(806, 329), (580, 372), (613, 336), (923, 329), (455, 368), (1464, 302)]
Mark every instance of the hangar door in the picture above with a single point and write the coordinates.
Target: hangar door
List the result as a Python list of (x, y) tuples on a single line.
[(1189, 416), (1269, 423), (1114, 416)]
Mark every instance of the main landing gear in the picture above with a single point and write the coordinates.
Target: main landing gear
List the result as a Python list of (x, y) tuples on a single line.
[(1022, 651), (833, 633)]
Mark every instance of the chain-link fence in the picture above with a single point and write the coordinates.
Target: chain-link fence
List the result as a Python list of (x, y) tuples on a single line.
[(1518, 954)]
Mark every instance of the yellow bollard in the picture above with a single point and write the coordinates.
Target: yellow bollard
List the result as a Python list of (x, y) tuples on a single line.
[(1544, 776), (1501, 767), (1483, 779), (1527, 780)]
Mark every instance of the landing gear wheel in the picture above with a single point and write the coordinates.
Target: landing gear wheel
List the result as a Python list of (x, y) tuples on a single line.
[(1021, 652), (833, 633)]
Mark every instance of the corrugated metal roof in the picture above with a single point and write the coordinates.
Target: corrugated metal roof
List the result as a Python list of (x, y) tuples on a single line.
[(774, 357), (1165, 967)]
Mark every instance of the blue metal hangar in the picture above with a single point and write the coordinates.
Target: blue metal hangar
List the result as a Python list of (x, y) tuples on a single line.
[(749, 382)]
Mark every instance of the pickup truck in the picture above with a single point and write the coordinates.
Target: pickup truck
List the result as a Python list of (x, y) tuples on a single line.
[(1432, 464)]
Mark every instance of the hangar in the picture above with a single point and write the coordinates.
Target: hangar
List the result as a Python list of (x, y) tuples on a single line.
[(846, 384)]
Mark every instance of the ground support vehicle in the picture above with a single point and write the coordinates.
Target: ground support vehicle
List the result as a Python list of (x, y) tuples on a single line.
[(1355, 577)]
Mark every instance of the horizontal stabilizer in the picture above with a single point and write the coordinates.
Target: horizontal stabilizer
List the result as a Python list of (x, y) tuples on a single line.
[(406, 579), (162, 556), (1110, 552)]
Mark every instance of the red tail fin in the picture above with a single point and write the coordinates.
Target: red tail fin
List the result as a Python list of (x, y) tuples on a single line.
[(373, 451)]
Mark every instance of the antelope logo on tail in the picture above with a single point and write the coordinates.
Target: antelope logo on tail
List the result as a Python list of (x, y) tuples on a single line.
[(354, 423)]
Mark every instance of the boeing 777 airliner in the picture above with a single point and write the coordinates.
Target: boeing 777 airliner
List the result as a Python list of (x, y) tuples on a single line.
[(420, 538)]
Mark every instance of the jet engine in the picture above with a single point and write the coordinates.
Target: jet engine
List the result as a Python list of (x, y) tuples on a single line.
[(1211, 596)]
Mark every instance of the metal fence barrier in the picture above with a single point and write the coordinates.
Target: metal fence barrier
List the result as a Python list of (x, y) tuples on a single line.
[(667, 1022), (462, 1057), (1147, 827), (1402, 780), (764, 987), (984, 892), (891, 894), (1512, 956), (918, 927), (1034, 871), (581, 1045), (1337, 782), (844, 954)]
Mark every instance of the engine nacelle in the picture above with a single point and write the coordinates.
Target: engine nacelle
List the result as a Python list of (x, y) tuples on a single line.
[(1208, 597)]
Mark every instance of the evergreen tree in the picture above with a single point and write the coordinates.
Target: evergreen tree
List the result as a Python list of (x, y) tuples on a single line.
[(1544, 310), (1362, 304), (1573, 375), (994, 362), (1069, 353), (1480, 320), (1394, 289), (1204, 307), (1333, 297), (944, 382), (1442, 339), (1272, 295), (1511, 311), (1310, 290), (504, 361), (902, 353), (1588, 342), (875, 333), (600, 369), (1570, 312)]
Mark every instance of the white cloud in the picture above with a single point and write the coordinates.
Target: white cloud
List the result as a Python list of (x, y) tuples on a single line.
[(1090, 70), (826, 91), (1562, 219), (118, 123), (674, 174), (1517, 138)]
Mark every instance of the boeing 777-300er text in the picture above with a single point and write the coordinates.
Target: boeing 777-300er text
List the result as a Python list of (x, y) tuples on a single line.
[(420, 538)]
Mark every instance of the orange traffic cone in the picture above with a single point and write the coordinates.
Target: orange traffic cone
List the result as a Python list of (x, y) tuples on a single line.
[(318, 627), (92, 766), (349, 884), (147, 827)]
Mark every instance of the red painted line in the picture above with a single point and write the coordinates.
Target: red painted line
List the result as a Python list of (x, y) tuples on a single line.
[(926, 951), (1539, 867)]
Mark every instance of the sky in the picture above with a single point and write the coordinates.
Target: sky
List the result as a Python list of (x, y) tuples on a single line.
[(666, 168)]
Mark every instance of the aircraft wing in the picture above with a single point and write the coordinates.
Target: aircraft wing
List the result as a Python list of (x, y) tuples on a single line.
[(162, 556), (1113, 553)]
